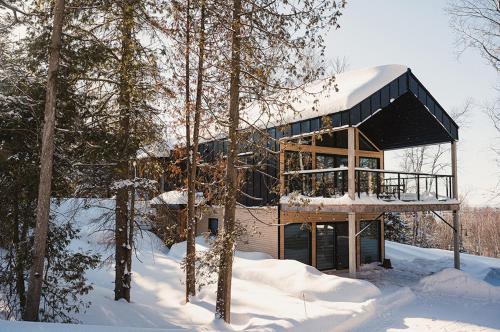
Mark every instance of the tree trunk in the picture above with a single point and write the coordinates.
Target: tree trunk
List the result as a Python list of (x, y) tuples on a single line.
[(191, 209), (190, 230), (122, 248), (223, 304), (20, 259), (46, 161)]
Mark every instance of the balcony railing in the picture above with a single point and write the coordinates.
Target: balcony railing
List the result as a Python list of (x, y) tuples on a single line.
[(376, 183)]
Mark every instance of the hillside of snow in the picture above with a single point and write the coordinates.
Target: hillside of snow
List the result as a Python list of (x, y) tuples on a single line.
[(421, 292)]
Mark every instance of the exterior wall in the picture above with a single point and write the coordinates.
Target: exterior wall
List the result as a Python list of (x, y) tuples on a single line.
[(260, 224)]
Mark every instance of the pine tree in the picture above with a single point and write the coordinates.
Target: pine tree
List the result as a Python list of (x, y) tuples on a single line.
[(396, 228)]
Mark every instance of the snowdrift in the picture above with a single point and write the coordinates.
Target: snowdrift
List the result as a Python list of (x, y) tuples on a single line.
[(458, 283)]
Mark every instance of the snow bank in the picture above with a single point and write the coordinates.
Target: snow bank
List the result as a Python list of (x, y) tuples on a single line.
[(458, 283), (433, 260), (11, 326), (302, 280)]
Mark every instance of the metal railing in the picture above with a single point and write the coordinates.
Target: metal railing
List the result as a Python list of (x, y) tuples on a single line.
[(404, 186), (382, 184), (328, 182)]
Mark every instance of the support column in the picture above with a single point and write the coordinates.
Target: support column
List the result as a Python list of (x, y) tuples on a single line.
[(352, 244), (456, 221), (351, 162)]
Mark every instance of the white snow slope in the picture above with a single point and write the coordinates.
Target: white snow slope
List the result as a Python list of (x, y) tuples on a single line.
[(276, 295)]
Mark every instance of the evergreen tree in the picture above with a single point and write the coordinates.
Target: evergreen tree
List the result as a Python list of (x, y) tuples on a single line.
[(396, 228)]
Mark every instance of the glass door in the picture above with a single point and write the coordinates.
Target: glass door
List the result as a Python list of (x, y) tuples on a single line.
[(325, 246), (341, 245)]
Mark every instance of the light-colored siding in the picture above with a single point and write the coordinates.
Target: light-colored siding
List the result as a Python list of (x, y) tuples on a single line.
[(260, 225)]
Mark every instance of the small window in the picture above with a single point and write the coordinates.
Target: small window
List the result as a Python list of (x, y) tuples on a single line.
[(213, 226)]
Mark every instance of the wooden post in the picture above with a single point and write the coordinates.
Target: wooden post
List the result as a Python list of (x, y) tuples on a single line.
[(352, 244), (282, 170), (313, 244), (456, 221), (351, 162)]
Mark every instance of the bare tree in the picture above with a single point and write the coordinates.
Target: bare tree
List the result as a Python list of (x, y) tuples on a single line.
[(46, 161), (477, 23)]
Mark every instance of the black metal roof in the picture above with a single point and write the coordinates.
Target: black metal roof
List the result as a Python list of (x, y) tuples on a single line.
[(401, 114)]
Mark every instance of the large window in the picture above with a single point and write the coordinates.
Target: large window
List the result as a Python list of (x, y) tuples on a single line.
[(336, 139), (370, 241), (330, 184), (297, 243)]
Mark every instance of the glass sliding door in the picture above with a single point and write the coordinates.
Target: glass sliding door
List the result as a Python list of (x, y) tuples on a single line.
[(325, 246), (341, 245), (370, 241), (297, 243), (332, 246)]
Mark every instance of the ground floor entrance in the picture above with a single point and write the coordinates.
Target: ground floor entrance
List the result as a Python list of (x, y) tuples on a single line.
[(325, 245)]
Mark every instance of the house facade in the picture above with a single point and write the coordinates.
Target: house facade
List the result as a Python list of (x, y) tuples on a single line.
[(322, 196)]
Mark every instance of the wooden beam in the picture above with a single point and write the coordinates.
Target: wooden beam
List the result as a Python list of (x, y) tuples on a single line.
[(282, 170), (313, 244), (351, 162), (328, 150), (456, 220), (352, 245)]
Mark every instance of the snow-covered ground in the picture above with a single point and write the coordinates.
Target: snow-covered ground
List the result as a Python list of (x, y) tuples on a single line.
[(276, 295)]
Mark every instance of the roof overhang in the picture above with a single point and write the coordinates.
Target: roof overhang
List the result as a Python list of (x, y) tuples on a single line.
[(401, 114)]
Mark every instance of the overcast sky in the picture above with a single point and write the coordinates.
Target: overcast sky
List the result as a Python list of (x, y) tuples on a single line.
[(417, 34)]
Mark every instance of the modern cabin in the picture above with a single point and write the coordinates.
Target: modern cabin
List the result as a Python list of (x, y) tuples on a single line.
[(322, 199)]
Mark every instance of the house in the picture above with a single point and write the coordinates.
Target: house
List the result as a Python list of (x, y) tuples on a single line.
[(329, 169)]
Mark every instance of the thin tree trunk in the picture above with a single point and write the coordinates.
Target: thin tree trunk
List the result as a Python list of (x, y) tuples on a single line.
[(122, 249), (223, 304), (191, 209), (20, 256), (190, 236), (46, 161)]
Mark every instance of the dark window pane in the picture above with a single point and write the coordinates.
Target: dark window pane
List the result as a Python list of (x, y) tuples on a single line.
[(365, 145), (372, 163), (325, 246), (297, 161), (370, 241), (337, 139), (297, 243), (342, 245), (305, 127), (341, 139), (213, 226)]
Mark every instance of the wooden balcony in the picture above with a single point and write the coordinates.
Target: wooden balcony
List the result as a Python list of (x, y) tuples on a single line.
[(376, 190)]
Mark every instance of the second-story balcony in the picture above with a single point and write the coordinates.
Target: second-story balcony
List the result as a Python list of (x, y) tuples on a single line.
[(389, 186)]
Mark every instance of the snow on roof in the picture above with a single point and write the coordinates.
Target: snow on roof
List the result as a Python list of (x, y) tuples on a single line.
[(315, 99), (320, 98), (176, 197)]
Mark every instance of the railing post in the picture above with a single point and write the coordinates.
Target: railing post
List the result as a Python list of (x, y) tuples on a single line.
[(418, 187), (377, 178), (399, 186)]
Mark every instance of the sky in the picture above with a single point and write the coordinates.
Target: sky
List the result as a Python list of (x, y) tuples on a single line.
[(417, 34)]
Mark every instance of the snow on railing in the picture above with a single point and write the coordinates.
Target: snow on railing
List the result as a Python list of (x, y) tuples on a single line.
[(382, 184)]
